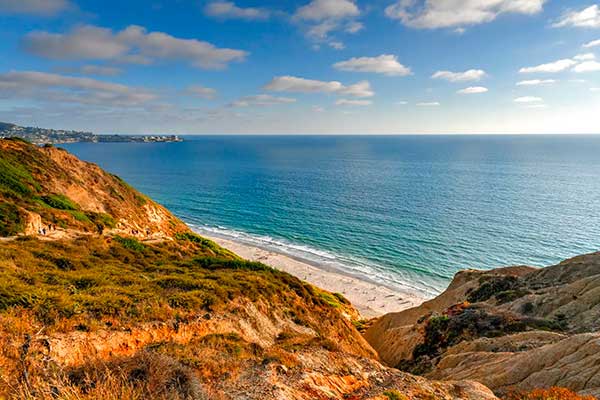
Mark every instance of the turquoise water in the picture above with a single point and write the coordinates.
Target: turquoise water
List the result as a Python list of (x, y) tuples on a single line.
[(406, 211)]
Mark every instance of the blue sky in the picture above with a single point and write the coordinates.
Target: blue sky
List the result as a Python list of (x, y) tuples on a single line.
[(310, 66)]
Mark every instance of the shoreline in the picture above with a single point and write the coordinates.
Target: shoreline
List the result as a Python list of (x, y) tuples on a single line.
[(369, 298)]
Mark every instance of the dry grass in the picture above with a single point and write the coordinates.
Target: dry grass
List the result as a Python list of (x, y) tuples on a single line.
[(553, 393), (101, 284), (146, 375)]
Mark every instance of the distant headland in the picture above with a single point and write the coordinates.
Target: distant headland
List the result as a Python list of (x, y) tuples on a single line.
[(57, 136)]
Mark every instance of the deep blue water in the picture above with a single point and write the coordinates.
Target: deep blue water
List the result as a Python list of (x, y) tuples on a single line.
[(403, 210)]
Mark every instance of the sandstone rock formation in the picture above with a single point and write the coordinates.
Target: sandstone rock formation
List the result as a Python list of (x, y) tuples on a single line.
[(510, 328)]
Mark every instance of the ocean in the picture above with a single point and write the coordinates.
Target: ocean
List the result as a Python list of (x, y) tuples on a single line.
[(404, 211)]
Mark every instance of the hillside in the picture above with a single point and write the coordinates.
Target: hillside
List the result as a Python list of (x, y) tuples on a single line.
[(516, 327), (47, 185), (119, 300)]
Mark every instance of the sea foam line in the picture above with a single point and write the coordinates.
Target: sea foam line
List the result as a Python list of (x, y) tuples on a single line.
[(352, 266)]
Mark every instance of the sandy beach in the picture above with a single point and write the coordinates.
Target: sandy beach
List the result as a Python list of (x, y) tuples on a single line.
[(369, 298)]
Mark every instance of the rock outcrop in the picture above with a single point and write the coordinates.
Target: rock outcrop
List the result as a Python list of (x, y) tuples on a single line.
[(510, 328)]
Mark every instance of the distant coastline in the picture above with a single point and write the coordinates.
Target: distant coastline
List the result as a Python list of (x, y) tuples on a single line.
[(57, 136)]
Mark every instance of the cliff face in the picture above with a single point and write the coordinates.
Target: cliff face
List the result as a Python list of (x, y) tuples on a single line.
[(46, 185), (122, 301), (518, 327)]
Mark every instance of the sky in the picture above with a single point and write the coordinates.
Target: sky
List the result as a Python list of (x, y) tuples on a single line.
[(302, 67)]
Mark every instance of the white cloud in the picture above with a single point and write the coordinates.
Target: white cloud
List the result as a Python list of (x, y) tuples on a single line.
[(593, 43), (595, 89), (428, 104), (466, 76), (45, 8), (202, 91), (42, 86), (553, 67), (587, 66), (262, 100), (587, 18), (228, 10), (528, 99), (346, 102), (337, 45), (91, 70), (320, 10), (323, 17), (585, 57), (473, 90), (354, 27), (301, 85), (536, 82), (432, 14), (318, 109), (131, 45), (386, 64), (402, 102)]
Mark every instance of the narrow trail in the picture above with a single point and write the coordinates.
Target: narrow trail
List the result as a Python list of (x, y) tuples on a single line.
[(60, 234)]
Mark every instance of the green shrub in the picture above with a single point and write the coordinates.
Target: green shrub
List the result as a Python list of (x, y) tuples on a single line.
[(102, 219), (209, 244), (394, 395), (15, 180), (329, 299), (80, 216), (60, 202), (130, 243), (11, 220)]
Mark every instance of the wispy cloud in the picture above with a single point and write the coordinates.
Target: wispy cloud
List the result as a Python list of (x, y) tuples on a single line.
[(466, 76), (99, 70), (385, 64), (552, 67), (131, 45), (202, 91), (229, 10), (473, 90), (42, 86), (528, 99), (536, 82), (593, 43), (346, 102), (322, 18), (43, 8), (262, 100), (294, 84), (587, 66), (588, 17), (433, 14)]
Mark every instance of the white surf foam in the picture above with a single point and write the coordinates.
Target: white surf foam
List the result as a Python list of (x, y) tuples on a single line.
[(352, 266)]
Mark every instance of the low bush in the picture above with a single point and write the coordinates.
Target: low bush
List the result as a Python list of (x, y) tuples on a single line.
[(12, 220), (130, 243), (394, 395), (60, 202)]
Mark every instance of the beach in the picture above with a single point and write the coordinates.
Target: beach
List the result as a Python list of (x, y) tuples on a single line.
[(369, 298)]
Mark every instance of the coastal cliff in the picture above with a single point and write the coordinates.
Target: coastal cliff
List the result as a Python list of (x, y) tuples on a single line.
[(515, 328), (106, 295)]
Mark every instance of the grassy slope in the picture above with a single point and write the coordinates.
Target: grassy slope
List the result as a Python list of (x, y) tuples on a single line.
[(94, 287)]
